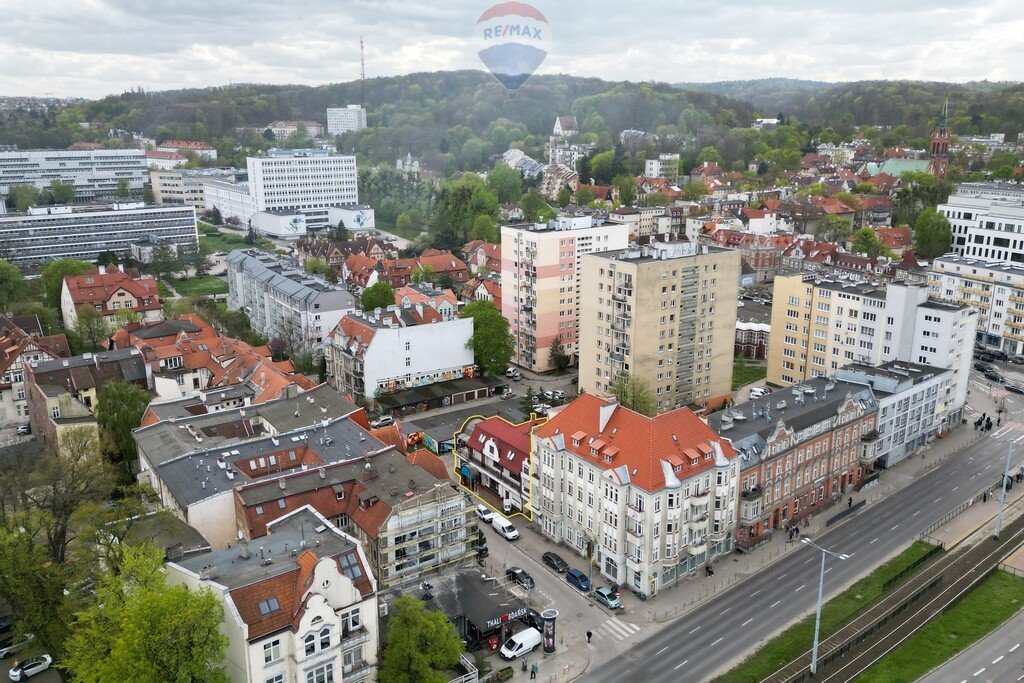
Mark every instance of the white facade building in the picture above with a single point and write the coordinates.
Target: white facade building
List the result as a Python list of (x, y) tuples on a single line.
[(309, 615), (665, 166), (994, 288), (987, 221), (47, 233), (401, 347), (282, 300), (649, 500), (94, 173), (185, 186), (913, 405), (345, 119)]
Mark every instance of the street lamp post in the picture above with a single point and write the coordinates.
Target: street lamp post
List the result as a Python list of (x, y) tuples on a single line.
[(1004, 485), (821, 590)]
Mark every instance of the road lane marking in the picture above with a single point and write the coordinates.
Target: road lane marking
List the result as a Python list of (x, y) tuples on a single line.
[(936, 500), (809, 559), (755, 592), (679, 665), (1017, 440), (851, 554), (979, 671), (661, 650), (724, 611), (772, 606), (894, 527), (955, 488), (828, 570), (997, 659), (916, 514), (752, 618), (718, 641), (802, 586), (694, 630), (1014, 647), (784, 576), (873, 540)]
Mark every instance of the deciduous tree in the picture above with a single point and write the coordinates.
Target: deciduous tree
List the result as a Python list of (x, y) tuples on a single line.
[(91, 329), (559, 359), (866, 241), (23, 196), (12, 285), (835, 229), (532, 204), (122, 188), (505, 182), (142, 629), (633, 393), (422, 644), (932, 234), (119, 410), (492, 343), (378, 295), (52, 276)]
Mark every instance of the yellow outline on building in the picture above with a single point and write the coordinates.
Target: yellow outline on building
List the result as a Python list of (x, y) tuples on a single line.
[(526, 513)]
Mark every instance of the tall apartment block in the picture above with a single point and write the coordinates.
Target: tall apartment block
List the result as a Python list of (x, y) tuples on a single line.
[(540, 281), (994, 288), (345, 119), (94, 173), (664, 312), (987, 221), (819, 326)]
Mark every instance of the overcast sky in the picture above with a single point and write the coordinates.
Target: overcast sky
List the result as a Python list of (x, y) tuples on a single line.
[(92, 48)]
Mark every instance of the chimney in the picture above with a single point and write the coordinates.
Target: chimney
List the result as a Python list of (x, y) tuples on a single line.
[(281, 483)]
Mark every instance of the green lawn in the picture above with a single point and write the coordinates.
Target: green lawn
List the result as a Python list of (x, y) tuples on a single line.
[(995, 600), (200, 285), (162, 289), (744, 372), (797, 639), (226, 241)]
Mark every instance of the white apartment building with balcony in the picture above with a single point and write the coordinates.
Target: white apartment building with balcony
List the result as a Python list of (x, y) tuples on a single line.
[(540, 281), (345, 119), (300, 603), (94, 173), (987, 221), (283, 301), (647, 500), (995, 289)]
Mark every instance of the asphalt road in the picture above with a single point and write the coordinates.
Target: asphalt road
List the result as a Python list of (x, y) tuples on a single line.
[(996, 658), (726, 629)]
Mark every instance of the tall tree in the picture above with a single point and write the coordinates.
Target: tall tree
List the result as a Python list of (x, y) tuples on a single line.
[(377, 295), (532, 203), (602, 167), (91, 329), (119, 409), (142, 629), (558, 357), (835, 229), (62, 193), (23, 196), (505, 182), (709, 154), (492, 343), (52, 276), (932, 234), (164, 261), (627, 189), (564, 197), (340, 233), (484, 229), (122, 188), (866, 241), (633, 393), (424, 273), (12, 285), (215, 216), (422, 644)]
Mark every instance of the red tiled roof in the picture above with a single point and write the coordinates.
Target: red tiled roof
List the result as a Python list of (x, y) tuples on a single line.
[(642, 442), (895, 238), (169, 156), (96, 289), (430, 462), (185, 144)]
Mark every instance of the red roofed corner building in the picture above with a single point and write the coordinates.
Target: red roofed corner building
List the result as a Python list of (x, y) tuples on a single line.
[(648, 499), (494, 461), (110, 293)]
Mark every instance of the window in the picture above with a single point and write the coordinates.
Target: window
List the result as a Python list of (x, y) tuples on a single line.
[(279, 678), (268, 606), (271, 651), (350, 621), (321, 674), (353, 658), (350, 566), (325, 638), (310, 641), (56, 412)]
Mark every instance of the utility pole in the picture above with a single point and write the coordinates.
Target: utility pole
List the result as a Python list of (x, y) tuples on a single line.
[(362, 60), (1002, 498), (821, 590)]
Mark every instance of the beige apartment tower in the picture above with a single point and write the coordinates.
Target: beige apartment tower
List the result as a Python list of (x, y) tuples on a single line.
[(664, 312)]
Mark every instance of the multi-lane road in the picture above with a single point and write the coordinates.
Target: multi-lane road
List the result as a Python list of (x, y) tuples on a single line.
[(723, 631), (997, 658)]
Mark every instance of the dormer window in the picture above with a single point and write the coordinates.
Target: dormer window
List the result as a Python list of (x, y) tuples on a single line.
[(575, 442), (593, 451), (677, 469)]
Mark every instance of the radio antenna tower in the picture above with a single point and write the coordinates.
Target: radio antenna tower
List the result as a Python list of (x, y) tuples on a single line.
[(362, 60)]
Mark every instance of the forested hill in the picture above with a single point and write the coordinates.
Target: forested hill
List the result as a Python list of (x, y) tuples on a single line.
[(978, 107), (409, 113)]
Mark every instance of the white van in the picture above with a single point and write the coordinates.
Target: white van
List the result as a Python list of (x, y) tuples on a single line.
[(758, 392), (525, 641), (504, 528)]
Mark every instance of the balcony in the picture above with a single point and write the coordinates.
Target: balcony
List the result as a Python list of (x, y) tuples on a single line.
[(718, 536), (699, 523), (750, 513), (700, 548), (752, 494), (634, 532), (1016, 324), (357, 672), (870, 437), (699, 498), (352, 639)]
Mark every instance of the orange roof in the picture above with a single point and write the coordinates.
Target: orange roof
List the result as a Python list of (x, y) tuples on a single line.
[(96, 288), (185, 144), (169, 156), (641, 442), (895, 238), (430, 462)]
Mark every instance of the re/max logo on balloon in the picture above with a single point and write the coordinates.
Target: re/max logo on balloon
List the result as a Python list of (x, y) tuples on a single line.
[(513, 30)]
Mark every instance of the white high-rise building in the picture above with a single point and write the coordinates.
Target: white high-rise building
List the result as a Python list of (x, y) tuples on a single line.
[(310, 181), (94, 173), (345, 119), (987, 221)]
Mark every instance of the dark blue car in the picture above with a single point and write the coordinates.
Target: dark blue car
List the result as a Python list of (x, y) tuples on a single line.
[(578, 579)]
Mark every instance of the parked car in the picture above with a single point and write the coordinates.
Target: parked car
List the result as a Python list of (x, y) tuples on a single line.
[(520, 576), (758, 392), (504, 528), (485, 513), (30, 667), (1017, 360), (1015, 388), (525, 641), (982, 367), (555, 561), (993, 376), (6, 624), (559, 394), (383, 421), (24, 429), (578, 580), (985, 356), (13, 646), (607, 598), (997, 354)]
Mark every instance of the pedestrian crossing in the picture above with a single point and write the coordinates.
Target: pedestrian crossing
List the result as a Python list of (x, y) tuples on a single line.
[(615, 630)]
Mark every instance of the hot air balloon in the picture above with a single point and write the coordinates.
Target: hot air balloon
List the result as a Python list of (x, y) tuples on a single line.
[(513, 39)]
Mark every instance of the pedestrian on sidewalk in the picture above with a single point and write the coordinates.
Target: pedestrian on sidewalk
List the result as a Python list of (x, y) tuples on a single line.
[(533, 670), (589, 636), (849, 503)]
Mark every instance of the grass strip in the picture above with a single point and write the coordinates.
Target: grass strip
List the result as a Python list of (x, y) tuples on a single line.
[(200, 285), (835, 614), (981, 611)]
